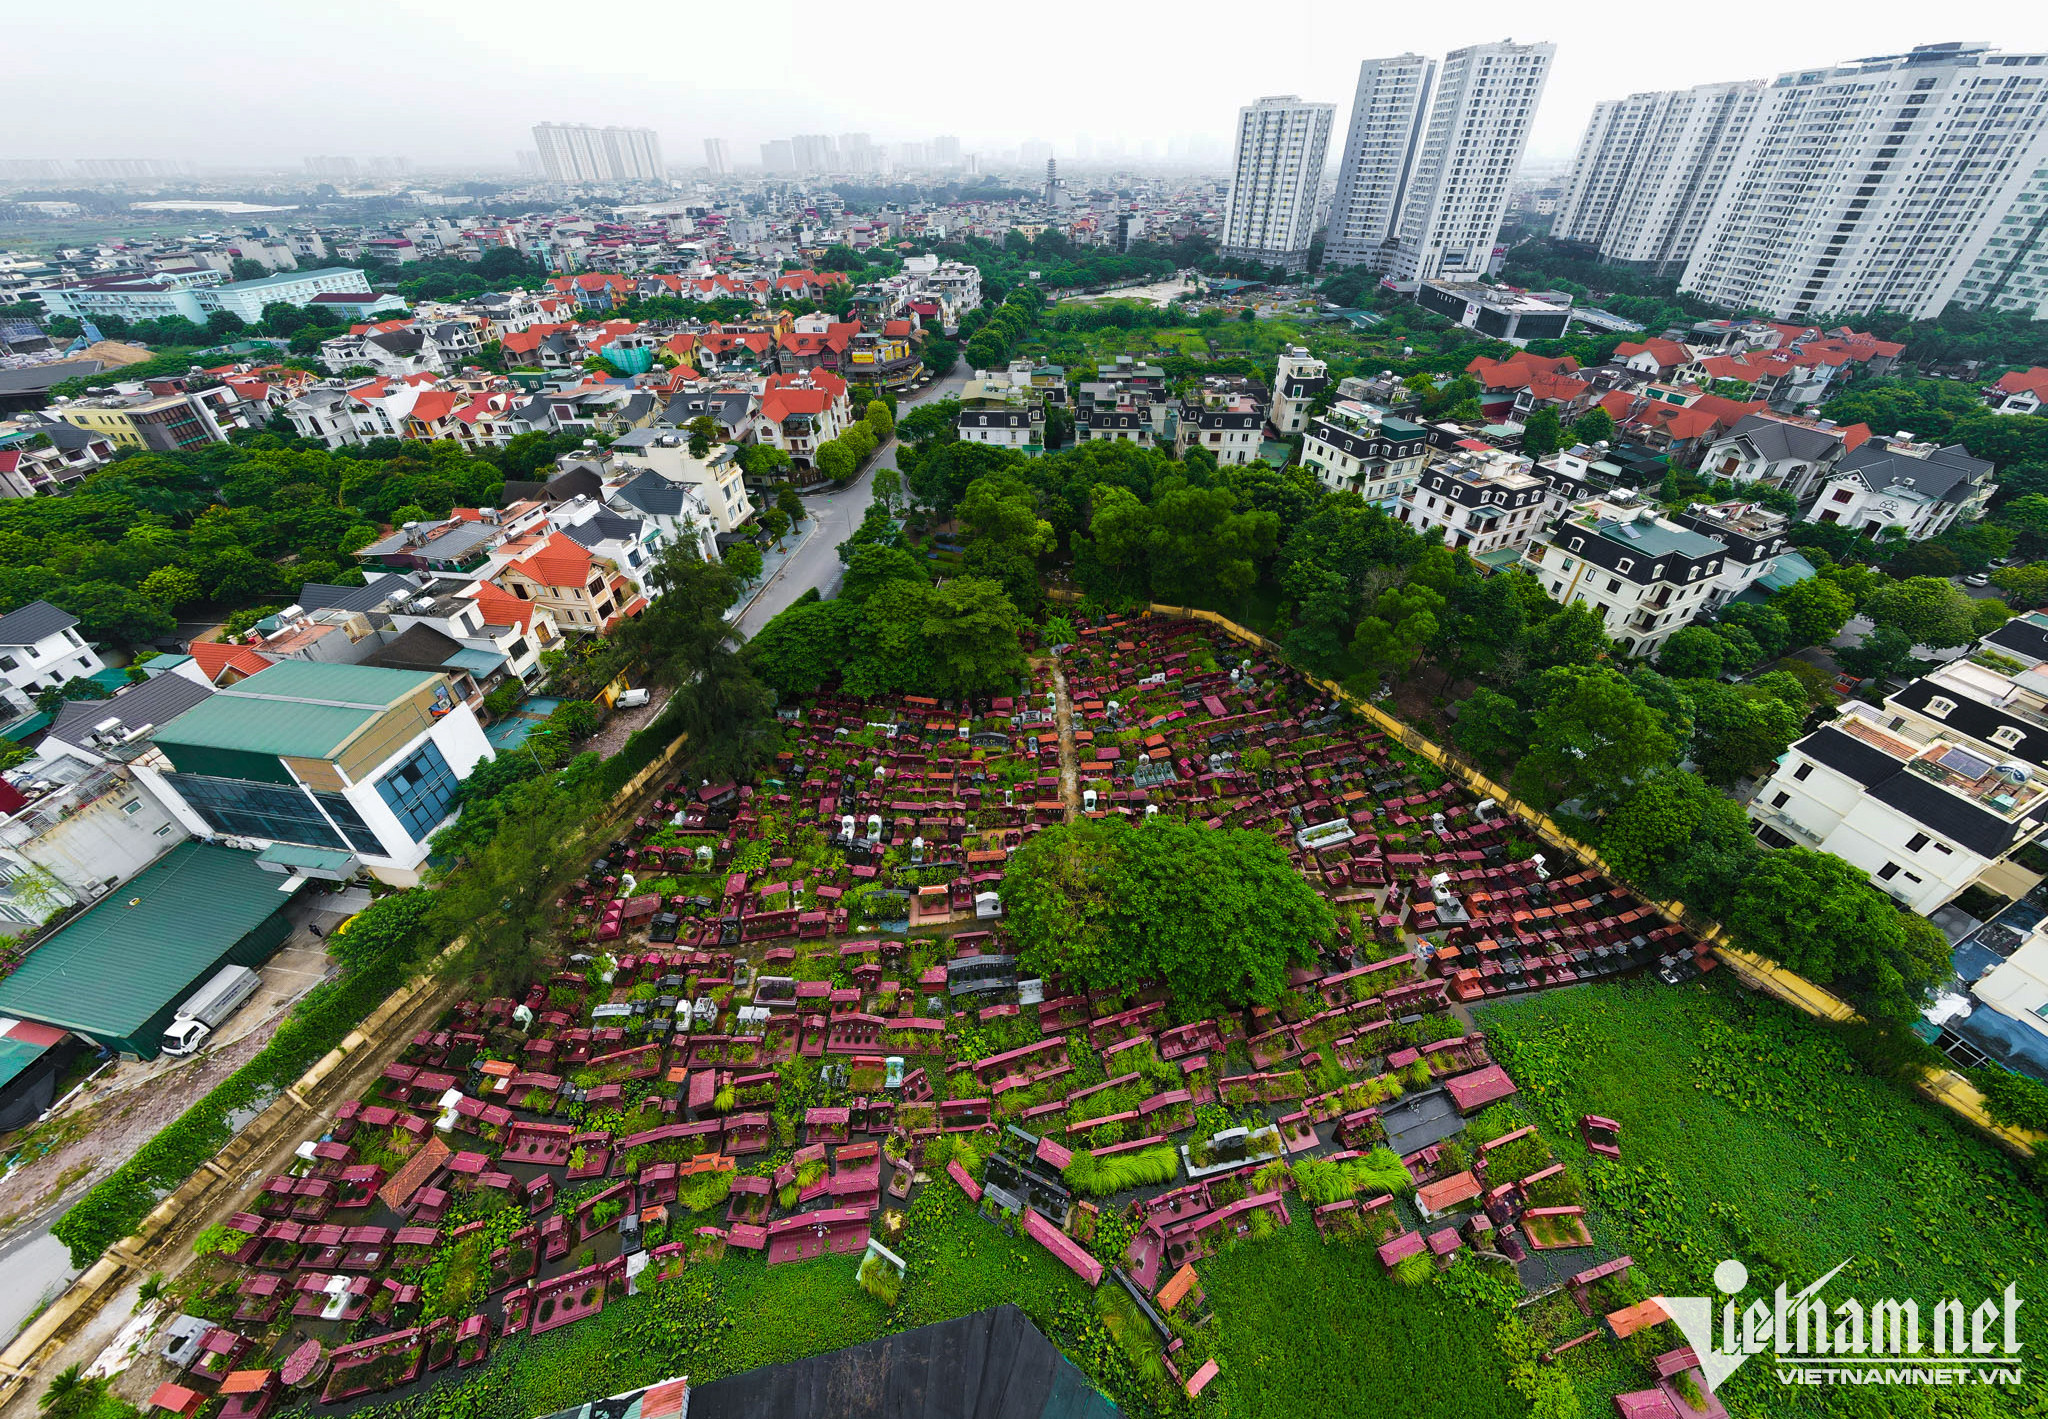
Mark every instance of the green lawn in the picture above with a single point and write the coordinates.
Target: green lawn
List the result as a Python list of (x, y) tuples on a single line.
[(1749, 1132), (1305, 1329)]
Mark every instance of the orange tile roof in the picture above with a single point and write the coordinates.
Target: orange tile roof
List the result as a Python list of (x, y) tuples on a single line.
[(212, 657), (2033, 381), (559, 561), (501, 608)]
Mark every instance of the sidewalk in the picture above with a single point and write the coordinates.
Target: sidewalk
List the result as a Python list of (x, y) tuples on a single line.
[(772, 565)]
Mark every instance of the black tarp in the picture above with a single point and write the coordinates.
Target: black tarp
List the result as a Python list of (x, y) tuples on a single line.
[(993, 1364)]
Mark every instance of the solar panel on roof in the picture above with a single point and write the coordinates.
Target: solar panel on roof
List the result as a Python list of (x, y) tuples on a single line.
[(1962, 761)]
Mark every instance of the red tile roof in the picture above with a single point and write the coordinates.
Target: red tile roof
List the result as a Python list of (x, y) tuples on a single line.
[(212, 657), (559, 561), (2034, 381)]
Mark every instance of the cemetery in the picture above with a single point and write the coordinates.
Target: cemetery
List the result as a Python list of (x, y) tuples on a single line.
[(789, 1044)]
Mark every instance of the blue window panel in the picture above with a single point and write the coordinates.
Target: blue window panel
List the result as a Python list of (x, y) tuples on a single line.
[(419, 791)]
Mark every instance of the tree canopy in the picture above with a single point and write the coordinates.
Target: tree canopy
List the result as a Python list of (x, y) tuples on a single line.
[(1218, 914)]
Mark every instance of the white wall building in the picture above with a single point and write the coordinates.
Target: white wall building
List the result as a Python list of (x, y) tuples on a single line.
[(1901, 483), (1360, 448), (1875, 183), (1649, 169), (1298, 378), (1379, 151), (578, 152), (1281, 146), (40, 648), (1645, 575), (1486, 503), (1486, 97)]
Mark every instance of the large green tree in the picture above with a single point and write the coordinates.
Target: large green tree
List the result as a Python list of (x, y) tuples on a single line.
[(1592, 738), (1662, 823), (1932, 611), (1218, 915), (1820, 916)]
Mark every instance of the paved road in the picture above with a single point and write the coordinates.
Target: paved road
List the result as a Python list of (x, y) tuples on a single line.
[(816, 563)]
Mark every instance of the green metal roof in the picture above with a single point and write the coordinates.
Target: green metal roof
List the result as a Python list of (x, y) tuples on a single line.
[(1787, 570), (15, 1056), (299, 855), (121, 961), (297, 707)]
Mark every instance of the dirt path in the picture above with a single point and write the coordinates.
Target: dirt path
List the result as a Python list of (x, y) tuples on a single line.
[(1070, 772)]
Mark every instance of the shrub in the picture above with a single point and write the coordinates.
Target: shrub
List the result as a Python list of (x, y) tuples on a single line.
[(704, 1191), (2013, 1099), (880, 1280), (1099, 1177), (1414, 1270)]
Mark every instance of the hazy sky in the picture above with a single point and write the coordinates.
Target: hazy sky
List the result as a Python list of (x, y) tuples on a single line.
[(214, 83)]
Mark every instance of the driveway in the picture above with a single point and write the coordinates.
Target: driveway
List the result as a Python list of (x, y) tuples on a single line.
[(816, 563)]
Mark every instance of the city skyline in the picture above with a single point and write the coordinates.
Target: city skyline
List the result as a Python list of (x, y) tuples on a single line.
[(143, 110)]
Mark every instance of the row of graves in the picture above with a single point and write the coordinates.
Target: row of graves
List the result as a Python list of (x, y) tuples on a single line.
[(780, 1007), (1173, 717)]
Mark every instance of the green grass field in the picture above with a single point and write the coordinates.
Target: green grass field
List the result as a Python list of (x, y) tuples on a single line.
[(1749, 1132)]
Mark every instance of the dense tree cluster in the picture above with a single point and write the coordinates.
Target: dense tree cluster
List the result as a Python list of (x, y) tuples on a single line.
[(1218, 914)]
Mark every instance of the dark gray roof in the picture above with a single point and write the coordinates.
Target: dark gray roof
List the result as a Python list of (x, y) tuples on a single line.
[(575, 482), (605, 527), (157, 700), (993, 1364), (654, 495), (36, 378), (1978, 720), (420, 647), (519, 490), (34, 621), (1946, 815), (67, 436), (1849, 756), (399, 342), (1947, 473), (727, 406), (2023, 637), (1774, 438), (376, 590)]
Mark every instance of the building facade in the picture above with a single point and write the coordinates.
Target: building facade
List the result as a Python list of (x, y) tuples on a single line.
[(1643, 574), (1457, 191), (1358, 448), (1387, 114), (1298, 379), (1649, 170), (1875, 184), (1281, 146), (578, 152)]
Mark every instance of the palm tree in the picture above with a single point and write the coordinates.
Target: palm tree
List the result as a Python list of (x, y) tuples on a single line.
[(70, 1393)]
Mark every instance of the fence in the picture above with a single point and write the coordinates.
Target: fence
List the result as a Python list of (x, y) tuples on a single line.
[(1943, 1086), (258, 1146)]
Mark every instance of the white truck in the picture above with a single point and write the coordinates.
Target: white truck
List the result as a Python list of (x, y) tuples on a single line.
[(197, 1018)]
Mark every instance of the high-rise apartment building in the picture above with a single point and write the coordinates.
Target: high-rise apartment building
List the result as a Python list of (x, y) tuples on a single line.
[(2011, 270), (579, 152), (1386, 126), (717, 156), (1879, 183), (778, 156), (1281, 145), (815, 152), (1649, 170), (946, 152), (1457, 193)]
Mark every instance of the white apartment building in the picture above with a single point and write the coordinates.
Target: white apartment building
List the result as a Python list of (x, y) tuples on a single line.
[(1876, 183), (1360, 448), (2011, 271), (1777, 451), (1926, 794), (1379, 151), (717, 478), (1487, 502), (577, 152), (1457, 193), (1298, 378), (1901, 483), (1649, 169), (1645, 575), (1281, 145)]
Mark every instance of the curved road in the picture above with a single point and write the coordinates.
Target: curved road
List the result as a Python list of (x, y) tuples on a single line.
[(837, 514)]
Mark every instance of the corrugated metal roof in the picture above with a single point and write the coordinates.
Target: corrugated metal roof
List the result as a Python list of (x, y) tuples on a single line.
[(301, 708), (124, 958)]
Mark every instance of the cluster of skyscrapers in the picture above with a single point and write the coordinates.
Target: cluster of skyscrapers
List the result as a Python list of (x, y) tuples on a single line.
[(1424, 177), (854, 154), (577, 152), (1902, 182)]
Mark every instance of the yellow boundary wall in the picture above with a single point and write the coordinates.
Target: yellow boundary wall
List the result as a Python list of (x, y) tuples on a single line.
[(154, 1245), (1945, 1087)]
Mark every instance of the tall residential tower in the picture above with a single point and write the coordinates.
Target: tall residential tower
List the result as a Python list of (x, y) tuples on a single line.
[(578, 152), (1879, 184), (1457, 193), (1281, 146), (1386, 127)]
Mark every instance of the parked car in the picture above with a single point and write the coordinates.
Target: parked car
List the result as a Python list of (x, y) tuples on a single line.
[(1977, 579)]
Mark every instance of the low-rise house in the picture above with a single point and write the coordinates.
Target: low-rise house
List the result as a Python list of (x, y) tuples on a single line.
[(1778, 451), (1299, 378), (1644, 574), (1486, 502), (1903, 483), (1225, 418), (2018, 392), (40, 649), (40, 455), (584, 593), (163, 417), (1360, 448), (801, 412), (1752, 533)]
